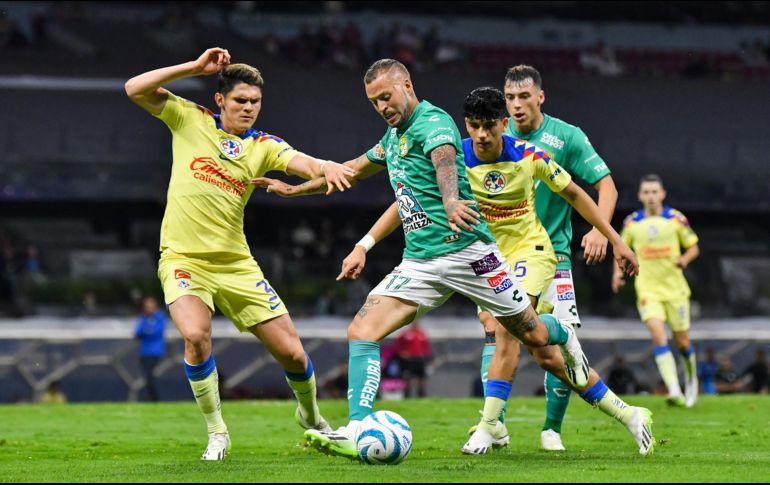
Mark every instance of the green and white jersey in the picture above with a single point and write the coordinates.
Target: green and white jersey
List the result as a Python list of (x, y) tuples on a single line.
[(405, 151), (569, 146)]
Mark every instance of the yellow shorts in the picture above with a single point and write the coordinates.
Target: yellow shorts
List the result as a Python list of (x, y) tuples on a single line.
[(675, 312), (235, 285), (533, 267)]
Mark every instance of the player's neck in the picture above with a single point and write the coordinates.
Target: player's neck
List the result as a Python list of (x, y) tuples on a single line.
[(227, 129), (653, 211)]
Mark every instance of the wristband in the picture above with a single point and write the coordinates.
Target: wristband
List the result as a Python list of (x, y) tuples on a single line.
[(367, 242), (321, 165)]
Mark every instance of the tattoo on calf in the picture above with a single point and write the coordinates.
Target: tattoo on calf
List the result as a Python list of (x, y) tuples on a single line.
[(370, 302), (519, 324)]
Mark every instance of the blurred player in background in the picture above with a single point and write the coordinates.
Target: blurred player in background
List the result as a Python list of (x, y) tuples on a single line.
[(205, 258), (570, 147), (657, 233)]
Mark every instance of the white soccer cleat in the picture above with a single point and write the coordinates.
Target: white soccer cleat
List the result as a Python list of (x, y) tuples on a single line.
[(481, 441), (218, 448), (575, 362), (322, 425), (640, 427), (550, 440), (691, 392)]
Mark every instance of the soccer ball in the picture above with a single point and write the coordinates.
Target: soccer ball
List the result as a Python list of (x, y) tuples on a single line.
[(384, 438)]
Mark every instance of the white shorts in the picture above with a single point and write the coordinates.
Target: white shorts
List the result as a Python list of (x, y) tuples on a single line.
[(479, 272), (559, 299)]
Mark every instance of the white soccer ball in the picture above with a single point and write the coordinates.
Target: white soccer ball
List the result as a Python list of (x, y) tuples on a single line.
[(384, 438)]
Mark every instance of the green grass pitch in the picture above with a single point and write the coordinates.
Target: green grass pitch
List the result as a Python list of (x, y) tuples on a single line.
[(722, 439)]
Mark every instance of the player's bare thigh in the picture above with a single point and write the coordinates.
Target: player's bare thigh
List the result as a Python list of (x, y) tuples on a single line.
[(281, 339), (380, 316), (192, 317)]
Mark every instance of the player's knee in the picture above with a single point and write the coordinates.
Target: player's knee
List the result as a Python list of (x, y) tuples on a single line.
[(197, 338)]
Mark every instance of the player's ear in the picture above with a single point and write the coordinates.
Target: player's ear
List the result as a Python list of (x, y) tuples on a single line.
[(505, 123), (541, 98), (219, 99)]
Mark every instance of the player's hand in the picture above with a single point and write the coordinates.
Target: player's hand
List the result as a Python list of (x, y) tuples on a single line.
[(212, 61), (617, 281), (595, 245), (681, 262), (460, 214), (274, 185), (337, 176), (625, 259), (353, 264)]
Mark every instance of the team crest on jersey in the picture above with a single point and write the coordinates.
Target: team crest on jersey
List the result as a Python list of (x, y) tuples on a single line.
[(494, 182), (231, 147), (379, 152), (403, 146), (652, 231), (412, 214)]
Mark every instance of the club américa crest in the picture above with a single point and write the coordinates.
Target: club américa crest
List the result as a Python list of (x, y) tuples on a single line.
[(494, 182)]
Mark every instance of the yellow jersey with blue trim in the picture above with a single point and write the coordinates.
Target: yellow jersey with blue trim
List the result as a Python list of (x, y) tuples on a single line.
[(505, 191), (657, 241), (210, 180)]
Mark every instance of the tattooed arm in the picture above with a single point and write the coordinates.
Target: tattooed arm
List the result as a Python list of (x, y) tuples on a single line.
[(362, 166), (458, 213)]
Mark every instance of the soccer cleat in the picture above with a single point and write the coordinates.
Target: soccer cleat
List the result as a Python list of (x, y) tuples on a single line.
[(691, 392), (575, 362), (640, 426), (550, 440), (322, 425), (218, 447), (676, 401), (340, 443), (481, 440)]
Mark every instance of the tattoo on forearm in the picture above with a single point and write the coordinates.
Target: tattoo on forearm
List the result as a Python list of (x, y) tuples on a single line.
[(444, 160), (520, 324), (370, 302), (311, 187)]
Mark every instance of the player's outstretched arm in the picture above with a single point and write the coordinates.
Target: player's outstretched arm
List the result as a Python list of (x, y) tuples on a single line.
[(361, 166), (146, 89), (458, 213), (587, 208), (354, 263), (594, 243), (310, 168)]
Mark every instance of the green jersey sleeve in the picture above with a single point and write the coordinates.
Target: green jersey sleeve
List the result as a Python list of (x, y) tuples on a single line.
[(585, 162), (376, 154), (439, 129)]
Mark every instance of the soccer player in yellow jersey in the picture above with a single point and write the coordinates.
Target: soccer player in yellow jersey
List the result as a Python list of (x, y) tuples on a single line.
[(205, 260), (657, 233)]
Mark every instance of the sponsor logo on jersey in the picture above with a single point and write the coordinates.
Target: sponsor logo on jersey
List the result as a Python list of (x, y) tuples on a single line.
[(553, 140), (494, 182), (379, 152), (182, 274), (486, 264), (412, 214), (565, 292), (452, 238), (434, 118), (231, 147), (206, 169), (554, 174), (403, 146), (562, 273), (184, 284)]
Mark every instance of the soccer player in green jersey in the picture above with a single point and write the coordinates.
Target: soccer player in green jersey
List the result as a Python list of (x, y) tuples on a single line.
[(570, 147), (657, 233), (448, 248), (205, 260)]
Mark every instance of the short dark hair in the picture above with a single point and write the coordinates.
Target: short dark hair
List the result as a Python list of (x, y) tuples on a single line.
[(522, 72), (233, 74), (383, 65), (651, 177), (485, 103)]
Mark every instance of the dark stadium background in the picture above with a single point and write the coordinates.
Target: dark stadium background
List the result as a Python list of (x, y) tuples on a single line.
[(682, 90)]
